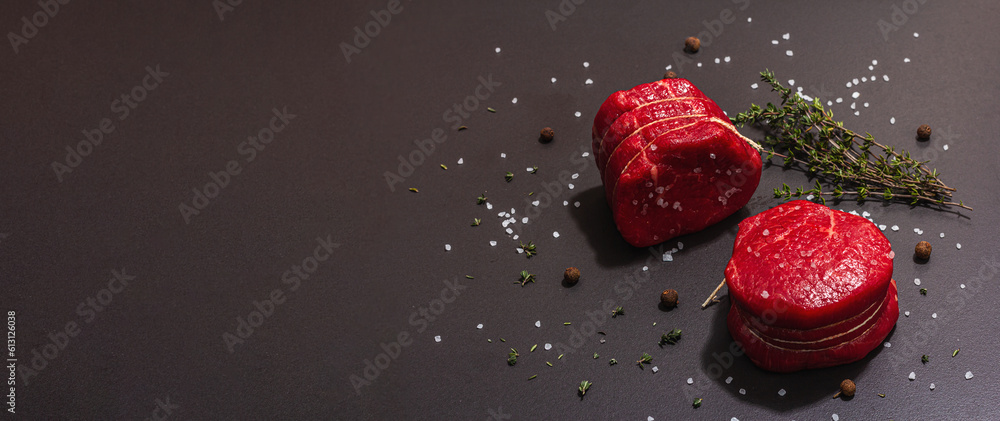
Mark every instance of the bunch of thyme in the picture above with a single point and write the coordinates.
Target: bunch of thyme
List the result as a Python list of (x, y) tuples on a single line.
[(804, 134)]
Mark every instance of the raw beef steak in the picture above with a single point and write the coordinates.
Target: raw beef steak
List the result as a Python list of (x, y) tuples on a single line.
[(810, 287), (671, 161)]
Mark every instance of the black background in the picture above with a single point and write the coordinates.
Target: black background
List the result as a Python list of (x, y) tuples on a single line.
[(323, 176)]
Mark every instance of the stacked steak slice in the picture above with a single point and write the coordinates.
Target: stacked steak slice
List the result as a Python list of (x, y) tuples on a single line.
[(671, 161), (810, 287)]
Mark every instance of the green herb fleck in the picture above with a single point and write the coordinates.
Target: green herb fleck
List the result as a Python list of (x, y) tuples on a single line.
[(512, 357), (670, 337), (534, 169), (584, 386), (645, 359), (489, 340), (596, 356), (881, 395), (490, 109), (923, 291), (444, 167), (548, 364), (460, 128), (509, 176), (503, 340), (529, 249), (530, 193), (525, 278), (617, 312), (559, 357), (481, 199), (414, 189), (612, 361), (532, 377), (924, 359), (567, 324), (533, 347), (953, 354), (476, 222), (697, 402), (470, 277)]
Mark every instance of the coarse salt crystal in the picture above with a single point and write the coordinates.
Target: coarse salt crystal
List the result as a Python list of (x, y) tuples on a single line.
[(932, 386), (535, 203), (586, 64), (729, 379), (848, 84), (789, 53), (576, 204), (515, 236), (791, 82), (855, 95), (489, 205), (555, 234), (585, 154), (577, 114), (493, 243), (718, 60), (857, 113), (916, 281), (945, 147), (913, 376), (548, 347), (781, 392), (743, 391), (895, 227), (958, 246), (503, 155), (690, 380), (839, 100), (667, 257), (498, 50), (866, 105), (774, 41), (916, 35), (655, 369), (565, 202), (962, 286), (538, 323), (754, 86), (934, 316), (942, 235), (727, 59), (509, 231), (570, 185), (885, 78), (749, 20), (968, 375), (906, 60), (855, 80), (906, 313), (881, 227), (513, 100), (461, 161), (671, 66), (645, 268), (786, 36), (553, 80), (766, 232), (887, 345), (479, 326), (836, 417), (764, 294), (892, 254), (589, 81), (437, 338), (524, 220), (447, 247), (575, 176), (892, 120), (680, 245)]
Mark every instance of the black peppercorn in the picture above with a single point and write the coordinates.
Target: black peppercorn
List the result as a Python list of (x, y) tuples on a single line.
[(572, 275), (692, 44), (547, 135), (923, 250), (669, 75), (669, 298), (924, 132)]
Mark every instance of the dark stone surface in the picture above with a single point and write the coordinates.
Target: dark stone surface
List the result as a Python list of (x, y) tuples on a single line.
[(162, 336)]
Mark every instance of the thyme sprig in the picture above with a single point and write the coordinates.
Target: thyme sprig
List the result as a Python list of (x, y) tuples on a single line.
[(805, 135)]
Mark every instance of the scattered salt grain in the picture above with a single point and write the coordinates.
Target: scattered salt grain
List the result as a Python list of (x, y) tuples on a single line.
[(489, 206), (962, 286), (655, 369), (871, 68), (932, 386), (690, 380), (646, 269), (839, 100), (553, 80), (942, 235), (509, 231), (524, 220), (781, 392), (649, 418), (667, 257), (786, 36), (866, 105), (749, 20), (892, 120), (857, 113), (764, 294), (968, 375), (934, 316), (791, 82), (589, 81), (855, 95), (788, 53), (576, 204), (734, 419), (906, 60), (447, 247), (743, 391), (555, 234), (570, 185), (699, 64), (906, 313), (437, 338), (575, 176), (881, 227), (727, 59), (565, 202), (548, 347), (671, 66), (754, 86), (493, 243), (916, 281), (766, 232), (916, 35), (515, 236), (479, 326), (958, 246), (895, 227), (585, 154), (498, 50), (586, 64), (887, 345), (461, 161), (885, 78), (836, 417), (577, 114), (718, 60), (945, 147), (855, 80), (503, 155), (538, 323), (854, 105), (513, 101), (680, 245), (848, 84), (729, 379), (535, 203), (913, 376)]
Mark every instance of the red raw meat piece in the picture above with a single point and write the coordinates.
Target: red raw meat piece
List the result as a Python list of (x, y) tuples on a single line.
[(810, 287), (671, 161)]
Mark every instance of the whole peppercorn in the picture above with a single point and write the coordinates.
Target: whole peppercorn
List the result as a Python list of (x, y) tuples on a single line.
[(692, 44), (923, 250), (547, 135), (669, 75), (669, 298), (572, 275), (847, 388), (924, 132)]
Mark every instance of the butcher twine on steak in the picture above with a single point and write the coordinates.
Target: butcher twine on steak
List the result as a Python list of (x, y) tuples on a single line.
[(810, 287), (671, 161)]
